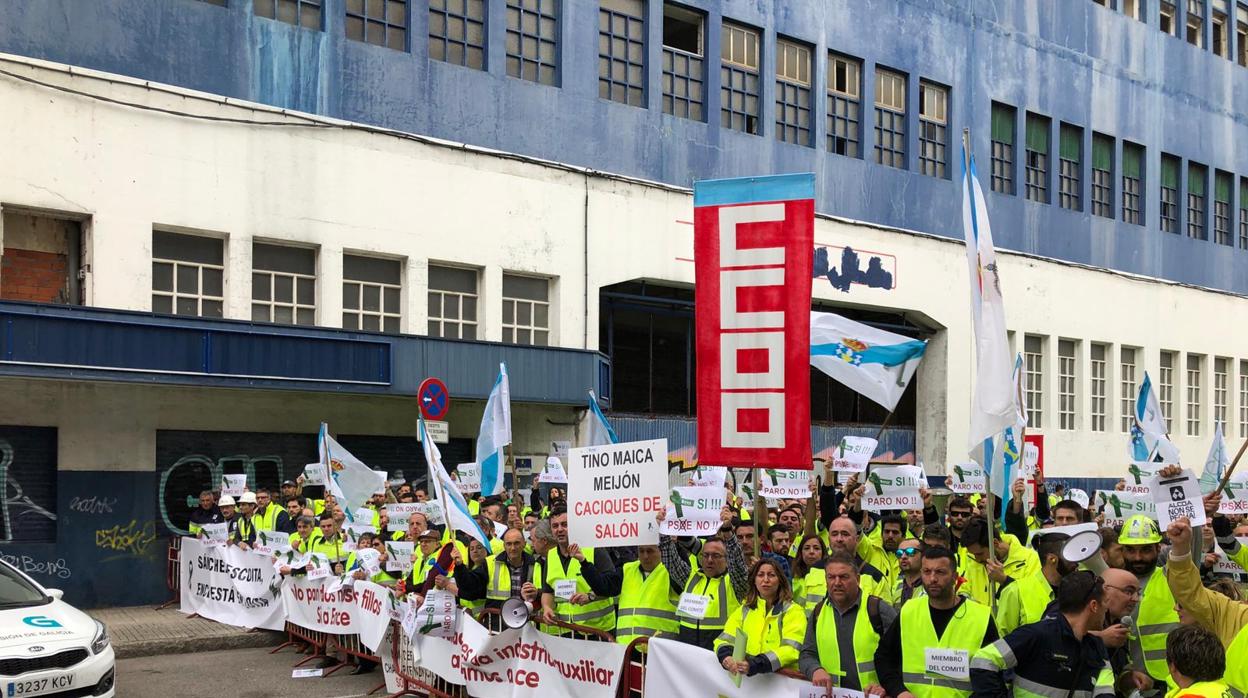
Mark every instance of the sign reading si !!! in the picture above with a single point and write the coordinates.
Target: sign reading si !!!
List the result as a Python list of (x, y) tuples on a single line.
[(753, 239)]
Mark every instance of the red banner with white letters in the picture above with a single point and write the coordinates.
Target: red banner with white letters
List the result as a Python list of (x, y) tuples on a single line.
[(753, 247)]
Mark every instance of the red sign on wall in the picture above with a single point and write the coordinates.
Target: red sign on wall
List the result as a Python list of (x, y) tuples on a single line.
[(753, 242)]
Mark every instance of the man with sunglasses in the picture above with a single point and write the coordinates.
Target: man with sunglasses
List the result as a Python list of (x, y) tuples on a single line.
[(958, 513), (910, 565), (1057, 656)]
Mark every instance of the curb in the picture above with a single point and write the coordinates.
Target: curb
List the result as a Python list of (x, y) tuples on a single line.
[(241, 640)]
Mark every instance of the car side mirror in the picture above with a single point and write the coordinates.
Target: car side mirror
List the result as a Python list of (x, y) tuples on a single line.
[(57, 594)]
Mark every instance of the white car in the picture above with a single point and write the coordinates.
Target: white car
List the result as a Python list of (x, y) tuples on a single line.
[(47, 647)]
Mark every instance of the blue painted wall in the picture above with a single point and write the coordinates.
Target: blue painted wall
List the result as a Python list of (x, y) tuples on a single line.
[(1070, 60)]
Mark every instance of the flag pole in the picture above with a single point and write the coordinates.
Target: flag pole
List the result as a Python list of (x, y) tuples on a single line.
[(1226, 477)]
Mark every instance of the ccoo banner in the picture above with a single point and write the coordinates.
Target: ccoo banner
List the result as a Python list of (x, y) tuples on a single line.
[(753, 243)]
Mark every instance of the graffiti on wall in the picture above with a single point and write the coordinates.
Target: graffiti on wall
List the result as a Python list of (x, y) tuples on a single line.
[(133, 538), (181, 483), (27, 484), (881, 269)]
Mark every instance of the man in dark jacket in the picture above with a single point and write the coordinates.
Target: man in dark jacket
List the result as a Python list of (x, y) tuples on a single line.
[(1057, 655)]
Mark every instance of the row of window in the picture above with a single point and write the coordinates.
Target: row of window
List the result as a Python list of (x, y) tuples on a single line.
[(1073, 377), (188, 278), (1037, 159), (1192, 20)]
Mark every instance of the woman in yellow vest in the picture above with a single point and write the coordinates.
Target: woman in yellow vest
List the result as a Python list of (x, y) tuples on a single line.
[(772, 625), (809, 582), (476, 559)]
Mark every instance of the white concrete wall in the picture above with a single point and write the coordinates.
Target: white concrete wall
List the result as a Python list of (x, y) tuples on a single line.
[(344, 189)]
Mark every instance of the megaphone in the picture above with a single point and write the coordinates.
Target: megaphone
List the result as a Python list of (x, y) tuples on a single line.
[(1085, 548), (515, 612)]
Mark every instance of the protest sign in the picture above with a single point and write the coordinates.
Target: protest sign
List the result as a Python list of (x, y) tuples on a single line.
[(436, 616), (314, 474), (216, 534), (809, 690), (432, 511), (553, 473), (230, 586), (853, 453), (1077, 496), (560, 449), (1138, 475), (309, 604), (677, 669), (351, 535), (1177, 497), (369, 559), (614, 491), (693, 511), (233, 485), (1031, 456), (1225, 565), (399, 514), (785, 484), (745, 489), (319, 566), (892, 488), (399, 555), (271, 542), (1120, 506), (372, 603), (708, 476), (1235, 494), (967, 478), (469, 477), (521, 663)]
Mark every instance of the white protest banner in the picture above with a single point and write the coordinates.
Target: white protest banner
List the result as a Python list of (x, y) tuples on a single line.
[(231, 586), (399, 555), (778, 483), (314, 474), (523, 663), (1031, 458), (432, 510), (271, 542), (893, 487), (373, 612), (1177, 497), (560, 449), (745, 490), (1235, 494), (216, 534), (553, 473), (363, 515), (1120, 506), (399, 514), (436, 616), (967, 478), (1138, 475), (693, 511), (1225, 565), (309, 604), (1077, 496), (614, 491), (233, 485), (369, 559), (319, 566), (853, 453), (708, 476), (676, 669), (469, 477)]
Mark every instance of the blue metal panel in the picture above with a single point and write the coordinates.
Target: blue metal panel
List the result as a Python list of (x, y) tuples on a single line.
[(66, 342), (1071, 61)]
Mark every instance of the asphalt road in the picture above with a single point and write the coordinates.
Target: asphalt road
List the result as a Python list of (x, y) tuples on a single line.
[(245, 673)]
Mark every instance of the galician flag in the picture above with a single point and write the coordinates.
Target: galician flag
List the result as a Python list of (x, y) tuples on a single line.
[(1150, 440), (1007, 459), (1215, 462), (495, 434), (869, 361), (992, 408), (350, 481), (454, 506), (598, 431)]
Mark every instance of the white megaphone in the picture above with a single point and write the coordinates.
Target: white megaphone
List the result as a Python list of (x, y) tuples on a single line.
[(515, 612), (1085, 548)]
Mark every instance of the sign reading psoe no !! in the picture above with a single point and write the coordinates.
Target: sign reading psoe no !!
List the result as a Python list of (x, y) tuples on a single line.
[(753, 243)]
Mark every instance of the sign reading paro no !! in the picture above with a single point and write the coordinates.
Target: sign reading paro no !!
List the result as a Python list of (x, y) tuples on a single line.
[(753, 241)]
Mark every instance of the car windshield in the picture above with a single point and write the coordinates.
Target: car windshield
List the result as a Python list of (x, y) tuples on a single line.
[(16, 591)]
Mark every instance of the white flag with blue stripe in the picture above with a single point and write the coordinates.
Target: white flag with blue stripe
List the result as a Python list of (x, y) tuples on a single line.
[(495, 434), (1215, 462), (1006, 452), (1150, 439), (992, 406), (350, 481), (454, 506), (869, 361), (598, 431)]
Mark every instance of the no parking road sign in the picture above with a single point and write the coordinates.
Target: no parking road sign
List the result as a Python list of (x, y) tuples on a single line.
[(434, 399)]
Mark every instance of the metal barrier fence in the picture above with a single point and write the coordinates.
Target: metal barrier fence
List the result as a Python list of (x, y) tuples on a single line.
[(173, 572)]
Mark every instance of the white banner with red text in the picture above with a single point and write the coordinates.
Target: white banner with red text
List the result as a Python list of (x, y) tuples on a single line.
[(361, 609)]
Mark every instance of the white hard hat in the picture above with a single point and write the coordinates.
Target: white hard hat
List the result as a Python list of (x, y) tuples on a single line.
[(226, 501), (247, 498)]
